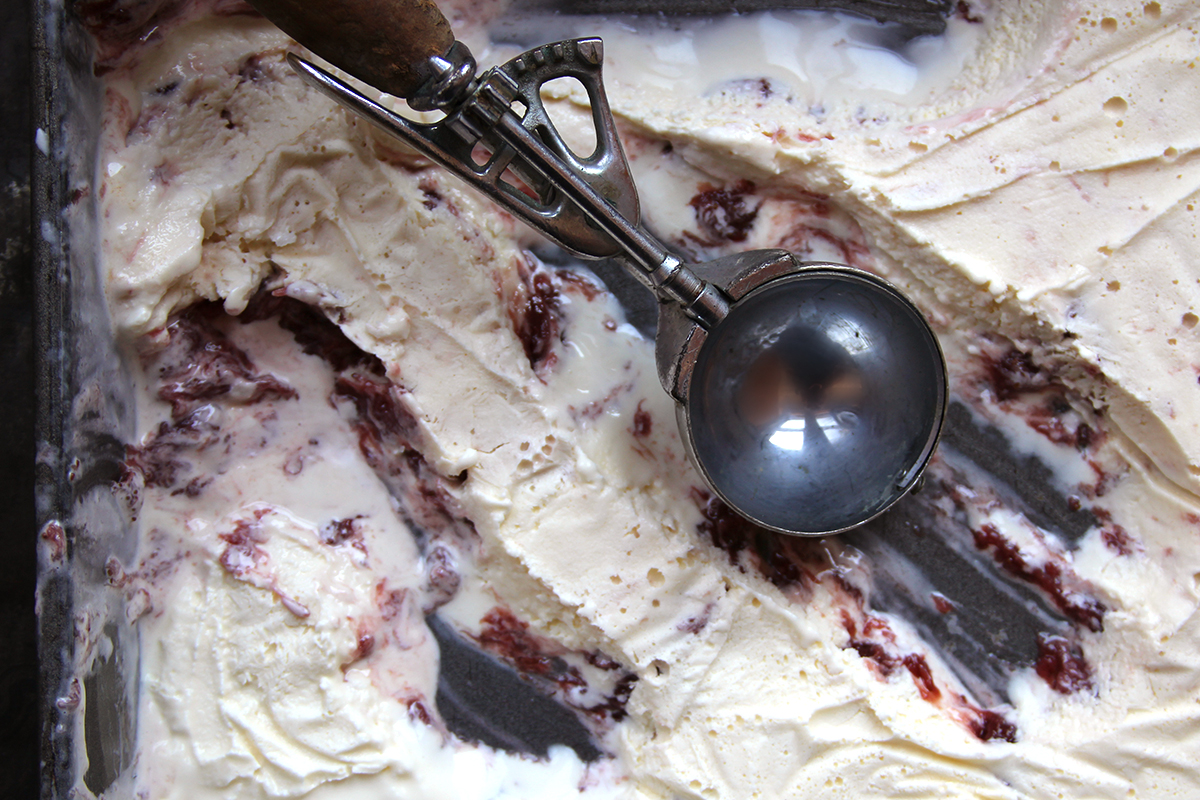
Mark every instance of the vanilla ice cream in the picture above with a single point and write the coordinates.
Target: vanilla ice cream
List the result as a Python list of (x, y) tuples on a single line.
[(364, 399)]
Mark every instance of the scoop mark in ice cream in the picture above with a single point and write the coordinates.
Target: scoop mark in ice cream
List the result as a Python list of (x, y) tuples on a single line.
[(387, 431)]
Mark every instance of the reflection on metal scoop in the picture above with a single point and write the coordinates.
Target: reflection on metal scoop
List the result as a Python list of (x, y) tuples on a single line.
[(814, 405), (810, 396)]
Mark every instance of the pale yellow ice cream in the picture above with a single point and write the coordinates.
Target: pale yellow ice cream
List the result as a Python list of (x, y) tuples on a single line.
[(1038, 200)]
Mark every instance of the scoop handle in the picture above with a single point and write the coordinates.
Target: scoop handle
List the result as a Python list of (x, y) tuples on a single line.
[(386, 43)]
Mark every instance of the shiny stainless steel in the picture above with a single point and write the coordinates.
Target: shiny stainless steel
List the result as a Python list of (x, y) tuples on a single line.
[(550, 214), (679, 339), (816, 404), (450, 78), (647, 258), (588, 204)]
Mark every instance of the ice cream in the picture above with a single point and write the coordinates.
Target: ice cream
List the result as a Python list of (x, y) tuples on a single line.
[(386, 406)]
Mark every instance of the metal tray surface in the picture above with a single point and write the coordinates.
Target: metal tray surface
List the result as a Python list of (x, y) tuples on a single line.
[(84, 416)]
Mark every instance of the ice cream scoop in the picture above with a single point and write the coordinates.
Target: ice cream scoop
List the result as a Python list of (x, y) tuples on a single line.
[(810, 396)]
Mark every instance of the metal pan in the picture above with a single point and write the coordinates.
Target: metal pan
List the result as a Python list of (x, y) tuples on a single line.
[(85, 415)]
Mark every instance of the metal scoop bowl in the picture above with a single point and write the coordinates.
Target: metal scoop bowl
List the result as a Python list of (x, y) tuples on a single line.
[(816, 402), (810, 396)]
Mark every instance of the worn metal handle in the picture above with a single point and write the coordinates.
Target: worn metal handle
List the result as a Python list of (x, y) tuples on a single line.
[(393, 45)]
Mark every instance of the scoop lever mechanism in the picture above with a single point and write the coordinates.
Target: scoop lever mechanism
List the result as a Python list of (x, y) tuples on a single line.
[(586, 204)]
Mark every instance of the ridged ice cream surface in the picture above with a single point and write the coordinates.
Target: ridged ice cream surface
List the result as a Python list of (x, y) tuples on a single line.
[(368, 396)]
